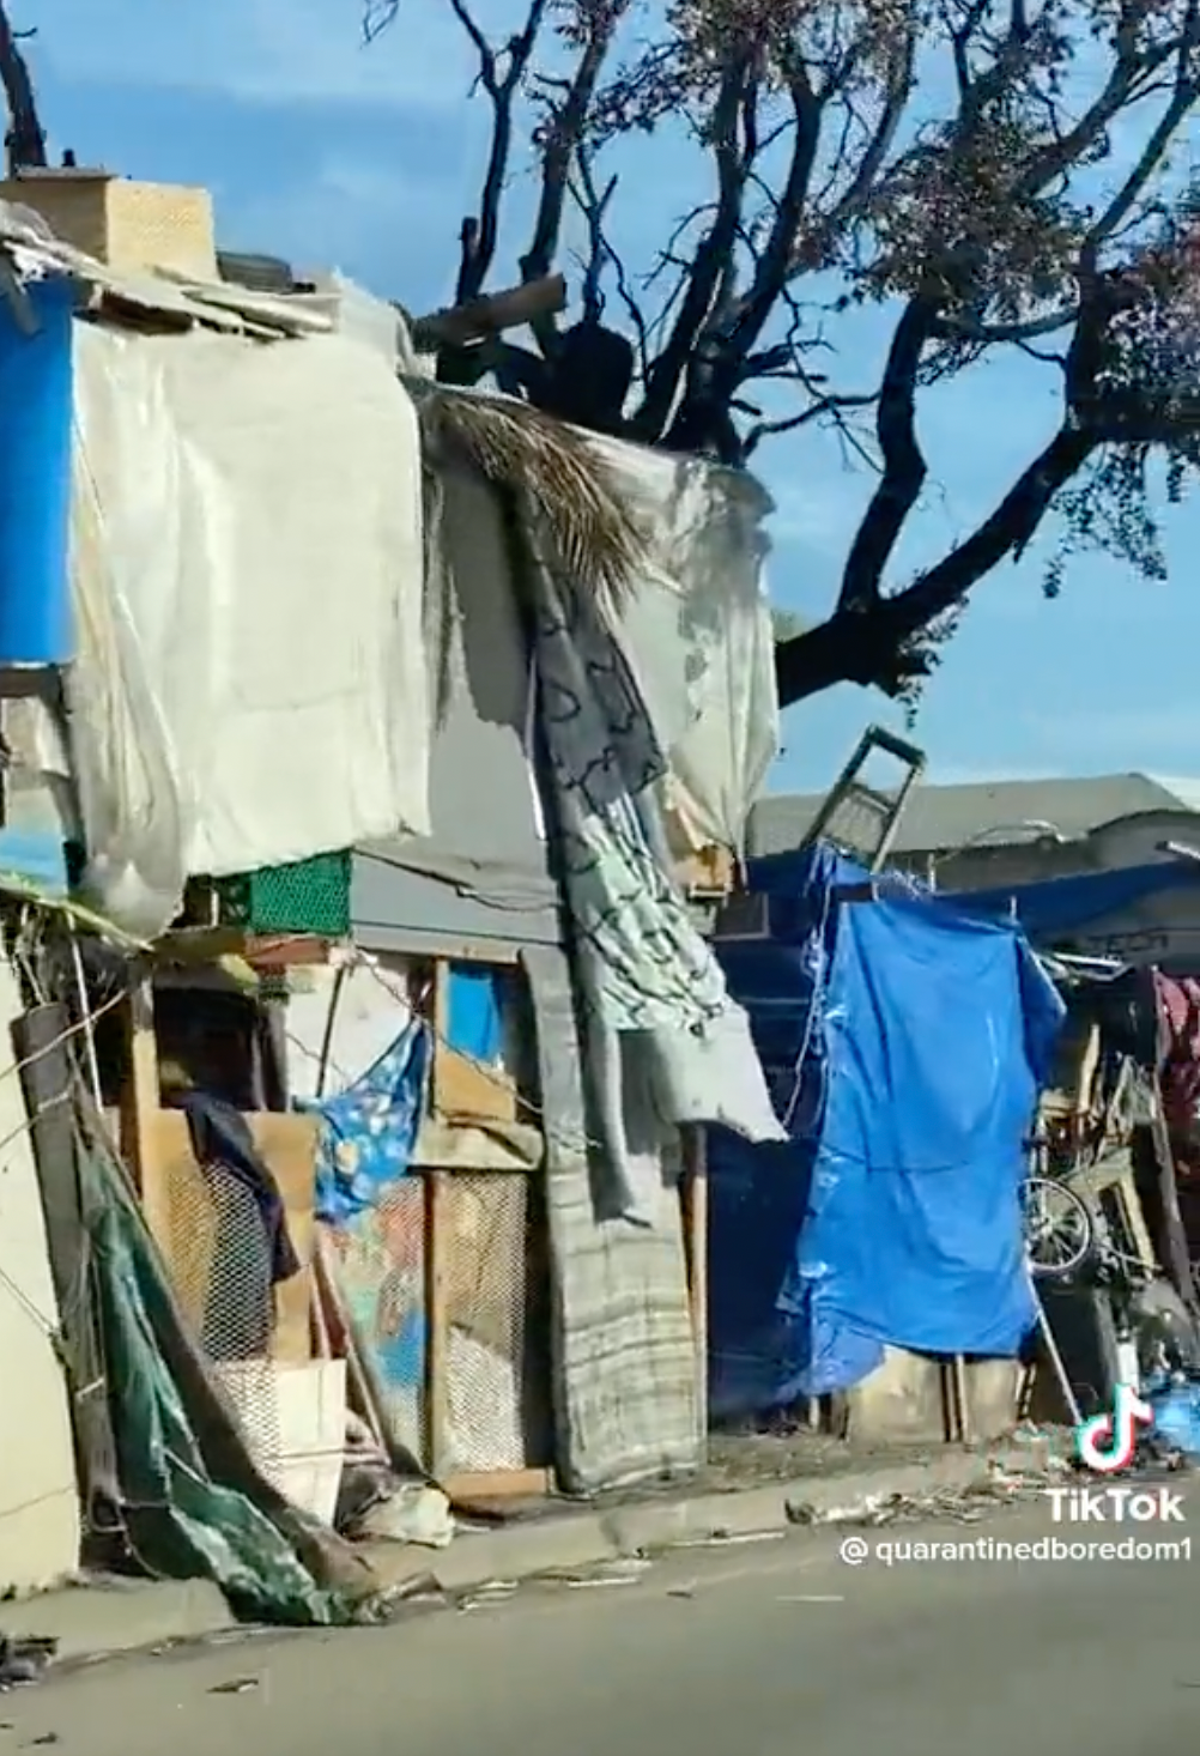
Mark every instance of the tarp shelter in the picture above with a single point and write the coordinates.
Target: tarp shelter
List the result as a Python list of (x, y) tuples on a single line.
[(694, 627), (905, 1043), (1058, 908)]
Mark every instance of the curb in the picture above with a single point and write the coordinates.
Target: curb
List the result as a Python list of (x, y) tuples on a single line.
[(121, 1616), (583, 1539), (94, 1621)]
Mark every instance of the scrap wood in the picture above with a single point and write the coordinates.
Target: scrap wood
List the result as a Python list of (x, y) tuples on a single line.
[(278, 312), (459, 325)]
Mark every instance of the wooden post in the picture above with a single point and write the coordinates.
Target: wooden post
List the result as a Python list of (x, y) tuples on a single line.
[(140, 1103), (695, 1221), (437, 1281)]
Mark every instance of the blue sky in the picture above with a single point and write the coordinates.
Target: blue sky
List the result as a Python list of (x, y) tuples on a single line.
[(366, 159)]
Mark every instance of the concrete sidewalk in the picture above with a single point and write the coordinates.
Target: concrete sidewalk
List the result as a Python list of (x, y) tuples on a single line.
[(91, 1621)]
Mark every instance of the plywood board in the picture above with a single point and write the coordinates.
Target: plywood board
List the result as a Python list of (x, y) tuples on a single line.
[(39, 1494)]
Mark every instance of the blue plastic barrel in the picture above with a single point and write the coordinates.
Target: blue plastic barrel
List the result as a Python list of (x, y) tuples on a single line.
[(36, 401)]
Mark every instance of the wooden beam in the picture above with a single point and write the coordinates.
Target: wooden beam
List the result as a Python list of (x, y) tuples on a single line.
[(437, 1325), (499, 1484), (694, 1195), (200, 945), (139, 1110), (459, 325)]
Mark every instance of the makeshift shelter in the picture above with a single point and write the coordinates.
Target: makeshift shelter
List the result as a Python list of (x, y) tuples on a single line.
[(905, 1044), (389, 872), (1131, 912)]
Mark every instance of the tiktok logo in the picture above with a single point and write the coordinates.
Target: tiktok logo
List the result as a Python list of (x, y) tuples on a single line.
[(1107, 1442)]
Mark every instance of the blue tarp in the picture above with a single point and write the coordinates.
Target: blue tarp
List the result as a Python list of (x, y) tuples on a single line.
[(1059, 907), (36, 405), (904, 1043)]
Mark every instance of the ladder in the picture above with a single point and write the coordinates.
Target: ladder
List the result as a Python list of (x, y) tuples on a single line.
[(851, 799)]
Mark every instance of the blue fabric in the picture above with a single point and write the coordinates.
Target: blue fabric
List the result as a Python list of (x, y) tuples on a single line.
[(1059, 907), (474, 1026), (1176, 1408), (36, 407), (904, 1043), (370, 1130)]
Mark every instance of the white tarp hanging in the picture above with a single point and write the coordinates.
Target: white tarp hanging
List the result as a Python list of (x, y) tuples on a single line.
[(698, 631), (251, 682)]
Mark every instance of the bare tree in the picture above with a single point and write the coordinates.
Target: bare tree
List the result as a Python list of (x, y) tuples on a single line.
[(953, 162), (25, 141)]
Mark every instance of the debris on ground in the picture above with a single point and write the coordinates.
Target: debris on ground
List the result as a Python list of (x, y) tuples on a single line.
[(965, 1505), (24, 1661)]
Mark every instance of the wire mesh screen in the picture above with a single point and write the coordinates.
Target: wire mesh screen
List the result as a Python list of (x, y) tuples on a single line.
[(221, 1267), (485, 1219), (495, 1396), (858, 826), (381, 1256)]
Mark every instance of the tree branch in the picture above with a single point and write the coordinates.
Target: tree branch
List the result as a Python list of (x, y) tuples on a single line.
[(26, 138), (867, 644), (826, 405), (904, 467), (708, 263), (563, 136), (480, 231)]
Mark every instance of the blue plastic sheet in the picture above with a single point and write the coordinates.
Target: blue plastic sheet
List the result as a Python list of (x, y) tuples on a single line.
[(475, 1027), (36, 407), (905, 1043), (1058, 907), (371, 1128), (1176, 1406)]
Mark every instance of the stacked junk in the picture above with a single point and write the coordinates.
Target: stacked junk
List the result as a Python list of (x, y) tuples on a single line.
[(986, 1201)]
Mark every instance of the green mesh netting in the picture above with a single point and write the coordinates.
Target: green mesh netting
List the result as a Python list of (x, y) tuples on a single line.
[(308, 896), (185, 1518)]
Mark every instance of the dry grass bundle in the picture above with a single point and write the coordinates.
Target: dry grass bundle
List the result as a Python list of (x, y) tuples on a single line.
[(596, 538)]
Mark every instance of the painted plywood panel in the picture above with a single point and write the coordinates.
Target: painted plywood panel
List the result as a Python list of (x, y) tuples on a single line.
[(39, 1497)]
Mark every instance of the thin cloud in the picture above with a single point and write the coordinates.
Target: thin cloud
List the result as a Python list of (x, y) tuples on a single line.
[(265, 51)]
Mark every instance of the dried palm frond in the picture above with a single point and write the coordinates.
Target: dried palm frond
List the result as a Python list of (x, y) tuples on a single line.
[(597, 539)]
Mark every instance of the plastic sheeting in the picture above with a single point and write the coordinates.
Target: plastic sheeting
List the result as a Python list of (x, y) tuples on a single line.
[(1059, 907), (251, 686), (35, 478), (184, 1523), (698, 630), (905, 1044), (370, 1129)]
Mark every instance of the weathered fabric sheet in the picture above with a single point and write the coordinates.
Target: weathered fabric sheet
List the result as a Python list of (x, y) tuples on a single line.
[(251, 684)]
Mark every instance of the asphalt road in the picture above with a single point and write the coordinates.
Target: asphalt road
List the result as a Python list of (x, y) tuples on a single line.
[(751, 1650)]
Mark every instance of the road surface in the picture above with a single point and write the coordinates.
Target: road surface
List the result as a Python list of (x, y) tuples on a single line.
[(758, 1649)]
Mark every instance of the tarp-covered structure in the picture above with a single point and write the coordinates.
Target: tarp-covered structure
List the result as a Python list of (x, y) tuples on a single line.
[(904, 1043), (1057, 909), (503, 678)]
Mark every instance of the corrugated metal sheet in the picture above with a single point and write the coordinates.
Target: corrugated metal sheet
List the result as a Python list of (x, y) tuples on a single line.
[(942, 818)]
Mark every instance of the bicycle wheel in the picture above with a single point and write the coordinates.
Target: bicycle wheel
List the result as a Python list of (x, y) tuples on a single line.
[(1060, 1234)]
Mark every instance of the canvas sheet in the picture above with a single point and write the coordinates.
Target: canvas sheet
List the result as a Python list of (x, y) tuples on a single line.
[(697, 629), (627, 1399), (665, 1043), (251, 683)]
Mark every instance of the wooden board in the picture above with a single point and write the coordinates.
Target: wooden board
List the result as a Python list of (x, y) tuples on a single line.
[(185, 1223)]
